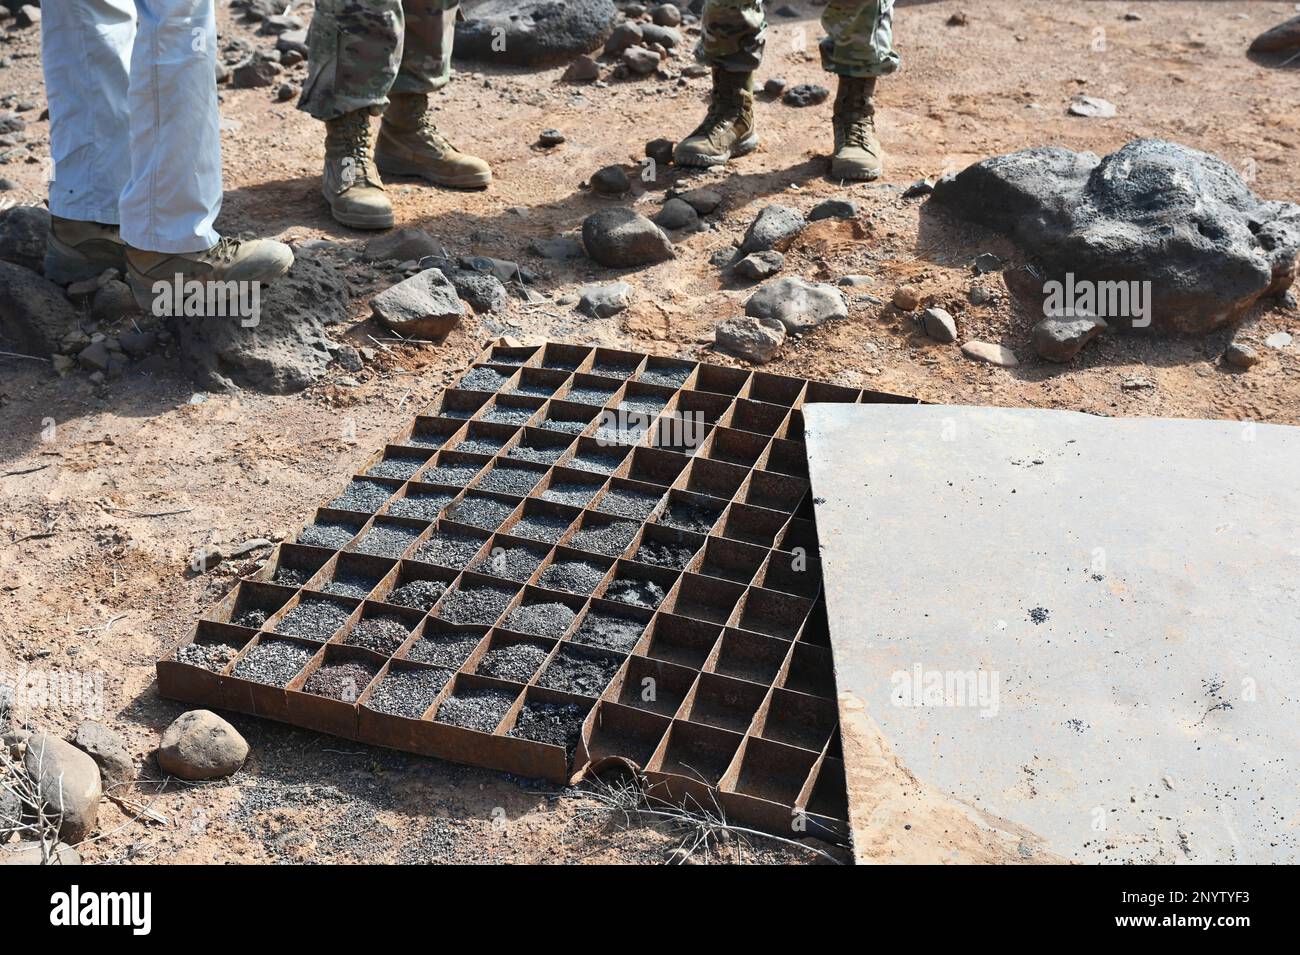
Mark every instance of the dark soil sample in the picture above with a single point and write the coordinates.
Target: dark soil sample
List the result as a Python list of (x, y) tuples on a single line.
[(583, 675), (534, 389), (387, 540), (609, 631), (485, 512), (671, 377), (341, 681), (591, 394), (448, 549), (512, 563), (508, 414), (627, 502), (290, 576), (407, 692), (251, 618), (475, 604), (610, 539), (208, 656), (418, 594), (565, 426), (559, 724), (507, 480), (642, 593), (598, 462), (327, 534), (426, 439), (453, 475), (690, 516), (273, 662), (570, 492), (541, 527), (351, 585), (314, 619), (364, 496), (662, 554), (482, 444), (550, 455), (480, 710), (400, 467), (574, 576), (424, 507), (383, 634), (449, 649), (516, 662), (545, 620), (483, 379)]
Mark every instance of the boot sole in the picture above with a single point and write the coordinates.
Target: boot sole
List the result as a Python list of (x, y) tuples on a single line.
[(742, 148), (65, 265), (390, 167)]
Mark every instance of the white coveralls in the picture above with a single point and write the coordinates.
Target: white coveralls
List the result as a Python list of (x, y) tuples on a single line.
[(134, 129)]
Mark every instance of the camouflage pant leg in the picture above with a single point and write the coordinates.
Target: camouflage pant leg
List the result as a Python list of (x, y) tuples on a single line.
[(359, 50), (859, 37), (732, 34)]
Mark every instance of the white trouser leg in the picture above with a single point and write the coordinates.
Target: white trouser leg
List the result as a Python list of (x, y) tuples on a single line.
[(85, 53), (174, 193)]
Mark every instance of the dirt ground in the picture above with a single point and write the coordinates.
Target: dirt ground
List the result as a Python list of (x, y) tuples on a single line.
[(106, 490)]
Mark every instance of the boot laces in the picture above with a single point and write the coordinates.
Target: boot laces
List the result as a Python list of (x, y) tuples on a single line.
[(225, 250), (432, 137), (858, 123), (724, 106), (357, 162)]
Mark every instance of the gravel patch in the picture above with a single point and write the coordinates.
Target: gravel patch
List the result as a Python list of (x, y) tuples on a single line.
[(564, 426), (570, 492), (449, 549), (591, 394), (475, 604), (453, 475), (483, 379), (424, 507), (550, 455), (482, 444), (448, 649), (208, 656), (578, 674), (627, 502), (512, 563), (543, 619), (612, 368), (541, 527), (351, 585), (661, 554), (610, 539), (407, 692), (480, 710), (644, 404), (516, 662), (400, 466), (387, 540), (273, 662), (341, 681), (364, 496), (457, 414), (426, 439), (510, 480), (641, 593), (329, 534), (534, 389), (314, 619), (508, 414), (598, 462), (671, 377), (559, 724), (417, 594), (383, 634), (623, 436), (485, 512), (253, 619), (573, 576), (290, 576), (609, 631), (690, 516)]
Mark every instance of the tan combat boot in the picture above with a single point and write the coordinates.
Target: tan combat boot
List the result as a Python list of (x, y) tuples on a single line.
[(76, 251), (230, 260), (409, 144), (351, 184), (728, 127), (857, 150)]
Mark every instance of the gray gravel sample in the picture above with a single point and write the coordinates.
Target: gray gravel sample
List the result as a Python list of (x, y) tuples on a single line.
[(364, 496), (485, 512), (314, 619), (483, 379), (672, 377), (481, 444), (644, 404), (407, 692), (642, 593), (453, 475), (343, 681), (570, 492), (627, 502), (591, 394), (252, 619), (448, 549), (417, 594), (534, 389), (387, 540), (399, 466), (613, 368), (609, 631), (208, 656), (541, 527), (573, 576), (559, 724), (578, 674), (382, 633), (475, 604), (290, 576), (663, 554), (505, 479), (508, 414), (448, 649), (273, 662), (480, 710), (610, 539), (598, 462), (424, 507), (690, 516), (516, 662), (351, 585), (426, 439), (547, 455), (329, 534), (512, 563), (543, 619)]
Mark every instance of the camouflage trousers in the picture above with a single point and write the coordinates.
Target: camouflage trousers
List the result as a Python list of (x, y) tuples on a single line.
[(359, 51), (859, 37)]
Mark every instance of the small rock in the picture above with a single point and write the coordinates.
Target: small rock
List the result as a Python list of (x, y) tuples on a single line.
[(423, 306), (660, 150), (1278, 340), (758, 339), (759, 265), (1092, 107), (922, 187), (285, 92), (958, 19), (666, 15), (988, 352), (621, 238), (201, 745), (854, 281), (108, 750), (939, 325), (610, 180), (833, 209), (23, 231), (774, 86), (677, 214), (558, 248), (113, 302), (1240, 355), (28, 16), (986, 262), (604, 299), (203, 559), (94, 357), (68, 782), (400, 245), (483, 290), (797, 304), (664, 36), (348, 358), (773, 228), (906, 297), (703, 201), (626, 34), (1283, 38), (1137, 383), (1061, 339), (137, 344), (979, 295), (259, 70), (640, 60), (805, 94), (582, 70)]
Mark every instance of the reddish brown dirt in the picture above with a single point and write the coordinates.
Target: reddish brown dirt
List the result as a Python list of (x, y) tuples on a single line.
[(92, 582)]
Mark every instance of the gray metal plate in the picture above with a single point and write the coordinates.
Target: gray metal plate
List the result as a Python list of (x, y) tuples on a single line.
[(1059, 637)]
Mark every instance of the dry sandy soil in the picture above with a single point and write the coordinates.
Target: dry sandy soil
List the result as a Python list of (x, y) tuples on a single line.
[(91, 581)]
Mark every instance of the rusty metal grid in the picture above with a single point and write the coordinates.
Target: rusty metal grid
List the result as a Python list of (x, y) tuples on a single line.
[(723, 696)]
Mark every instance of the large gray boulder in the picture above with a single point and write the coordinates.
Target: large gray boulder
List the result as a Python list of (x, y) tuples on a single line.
[(35, 315), (23, 234), (423, 306), (532, 33), (68, 782), (620, 238), (1154, 211), (773, 228), (797, 304)]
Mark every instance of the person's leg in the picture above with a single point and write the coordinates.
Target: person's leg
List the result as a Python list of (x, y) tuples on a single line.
[(733, 33), (354, 49), (859, 48), (85, 53), (409, 143)]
